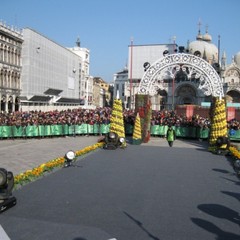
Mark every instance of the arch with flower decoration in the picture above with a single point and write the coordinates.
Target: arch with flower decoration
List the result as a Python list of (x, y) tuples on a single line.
[(191, 65)]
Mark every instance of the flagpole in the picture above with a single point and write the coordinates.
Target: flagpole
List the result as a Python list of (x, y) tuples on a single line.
[(173, 81), (131, 61)]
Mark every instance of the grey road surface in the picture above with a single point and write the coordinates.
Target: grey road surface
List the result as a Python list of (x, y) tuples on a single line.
[(146, 192)]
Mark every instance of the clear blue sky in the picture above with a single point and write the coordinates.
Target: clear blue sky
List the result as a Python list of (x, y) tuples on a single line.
[(107, 26)]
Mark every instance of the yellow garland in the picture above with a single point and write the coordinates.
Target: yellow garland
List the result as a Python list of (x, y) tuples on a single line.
[(33, 174), (234, 152), (116, 120), (137, 128), (219, 122)]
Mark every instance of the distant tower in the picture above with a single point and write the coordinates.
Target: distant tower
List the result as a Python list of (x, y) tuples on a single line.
[(78, 43), (224, 60)]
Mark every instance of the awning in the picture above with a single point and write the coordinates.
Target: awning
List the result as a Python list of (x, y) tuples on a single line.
[(37, 98), (71, 100), (53, 92), (22, 98)]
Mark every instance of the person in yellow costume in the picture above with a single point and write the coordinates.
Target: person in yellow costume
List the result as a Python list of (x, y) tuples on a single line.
[(171, 136)]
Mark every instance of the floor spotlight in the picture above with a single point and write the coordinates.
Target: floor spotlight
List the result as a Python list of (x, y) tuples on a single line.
[(69, 157), (6, 187), (236, 167), (113, 141), (222, 144)]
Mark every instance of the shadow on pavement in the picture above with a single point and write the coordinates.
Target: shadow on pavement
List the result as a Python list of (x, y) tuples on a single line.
[(232, 194), (141, 226), (220, 211), (210, 227)]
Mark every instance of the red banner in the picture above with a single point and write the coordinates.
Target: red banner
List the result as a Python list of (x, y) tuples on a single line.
[(230, 113), (189, 111)]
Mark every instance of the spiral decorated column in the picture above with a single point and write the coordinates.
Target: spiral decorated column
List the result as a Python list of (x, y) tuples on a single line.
[(218, 121), (137, 131), (116, 121)]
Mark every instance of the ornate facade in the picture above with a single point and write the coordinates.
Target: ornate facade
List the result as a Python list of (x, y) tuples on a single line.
[(177, 82), (231, 79), (10, 67)]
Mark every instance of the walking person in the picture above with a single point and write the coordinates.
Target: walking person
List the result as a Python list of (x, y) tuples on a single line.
[(171, 136)]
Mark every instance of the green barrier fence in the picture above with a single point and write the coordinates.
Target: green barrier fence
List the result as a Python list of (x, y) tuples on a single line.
[(104, 128), (5, 131), (56, 130), (31, 131), (235, 136), (47, 131), (183, 132), (186, 132), (85, 129), (96, 128), (17, 131), (203, 133), (158, 130)]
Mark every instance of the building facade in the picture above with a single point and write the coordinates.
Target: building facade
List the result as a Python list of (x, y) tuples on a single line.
[(182, 89), (231, 79), (11, 41), (120, 81), (140, 58), (50, 74), (101, 93), (85, 80)]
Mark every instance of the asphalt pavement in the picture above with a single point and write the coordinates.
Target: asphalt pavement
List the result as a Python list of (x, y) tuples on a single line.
[(144, 192), (20, 155)]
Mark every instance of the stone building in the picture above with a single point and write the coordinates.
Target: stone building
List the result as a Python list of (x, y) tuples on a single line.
[(140, 58), (101, 93), (120, 81), (50, 74), (11, 40), (182, 89), (231, 79), (85, 80), (37, 73)]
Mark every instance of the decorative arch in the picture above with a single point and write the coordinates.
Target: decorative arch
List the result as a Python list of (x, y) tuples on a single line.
[(193, 66), (186, 94)]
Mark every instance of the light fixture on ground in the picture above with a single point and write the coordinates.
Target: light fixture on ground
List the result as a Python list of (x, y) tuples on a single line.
[(222, 144), (113, 141), (69, 157), (6, 187), (236, 166)]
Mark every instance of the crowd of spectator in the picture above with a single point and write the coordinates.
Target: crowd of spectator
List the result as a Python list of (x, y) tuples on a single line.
[(70, 117), (102, 116), (171, 118)]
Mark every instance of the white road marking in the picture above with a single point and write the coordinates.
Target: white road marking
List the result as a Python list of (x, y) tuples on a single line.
[(3, 235)]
